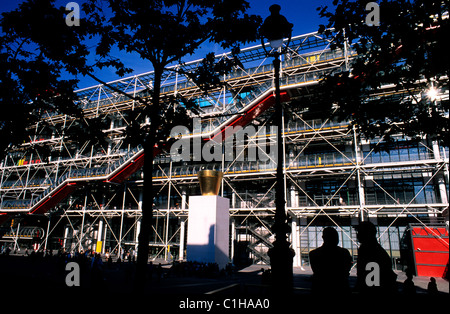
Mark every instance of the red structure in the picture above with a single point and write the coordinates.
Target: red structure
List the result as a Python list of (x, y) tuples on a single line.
[(431, 250)]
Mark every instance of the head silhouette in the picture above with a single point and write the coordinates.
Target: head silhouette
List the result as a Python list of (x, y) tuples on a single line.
[(275, 9), (330, 236), (367, 232)]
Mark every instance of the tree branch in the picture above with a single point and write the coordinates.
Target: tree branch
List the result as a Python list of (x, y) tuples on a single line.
[(139, 99)]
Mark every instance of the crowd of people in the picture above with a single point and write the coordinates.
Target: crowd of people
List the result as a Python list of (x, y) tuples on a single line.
[(331, 265), (199, 269), (96, 268)]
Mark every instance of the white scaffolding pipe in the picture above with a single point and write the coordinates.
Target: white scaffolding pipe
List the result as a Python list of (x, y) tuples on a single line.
[(182, 239), (80, 247), (361, 194)]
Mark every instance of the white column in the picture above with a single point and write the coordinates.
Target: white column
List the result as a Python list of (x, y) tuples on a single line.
[(208, 230), (440, 177), (442, 189), (99, 237), (436, 153), (100, 230), (294, 196), (295, 242), (182, 240), (66, 234), (233, 238), (141, 196), (136, 235), (46, 234), (233, 199), (359, 181), (105, 230), (183, 199)]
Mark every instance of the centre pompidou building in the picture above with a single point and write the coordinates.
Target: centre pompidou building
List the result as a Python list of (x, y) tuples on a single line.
[(81, 196)]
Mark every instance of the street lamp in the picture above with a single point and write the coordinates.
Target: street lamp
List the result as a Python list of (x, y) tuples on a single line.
[(275, 28)]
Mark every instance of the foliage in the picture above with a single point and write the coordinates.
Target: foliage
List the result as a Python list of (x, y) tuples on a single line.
[(37, 48), (38, 51), (408, 51), (164, 32)]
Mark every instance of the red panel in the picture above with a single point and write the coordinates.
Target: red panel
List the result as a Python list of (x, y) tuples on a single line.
[(431, 258), (430, 271), (422, 231), (55, 198), (128, 170), (431, 244), (431, 250), (252, 113)]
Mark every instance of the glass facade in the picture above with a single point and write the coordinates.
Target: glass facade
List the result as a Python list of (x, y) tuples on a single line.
[(400, 189), (389, 238), (396, 152)]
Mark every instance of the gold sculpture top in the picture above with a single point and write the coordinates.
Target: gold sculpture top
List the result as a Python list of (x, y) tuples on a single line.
[(210, 181)]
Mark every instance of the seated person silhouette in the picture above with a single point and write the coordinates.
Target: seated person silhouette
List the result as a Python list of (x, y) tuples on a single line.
[(331, 265), (374, 266)]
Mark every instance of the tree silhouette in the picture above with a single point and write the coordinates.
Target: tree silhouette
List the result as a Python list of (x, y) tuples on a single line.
[(38, 48), (408, 51), (41, 59), (164, 32)]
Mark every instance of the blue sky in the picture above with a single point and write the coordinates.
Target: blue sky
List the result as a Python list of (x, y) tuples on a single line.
[(301, 13)]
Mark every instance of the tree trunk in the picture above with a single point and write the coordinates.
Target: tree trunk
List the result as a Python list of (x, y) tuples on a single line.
[(147, 201), (147, 216)]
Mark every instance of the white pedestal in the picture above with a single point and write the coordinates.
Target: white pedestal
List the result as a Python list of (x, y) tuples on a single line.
[(208, 230)]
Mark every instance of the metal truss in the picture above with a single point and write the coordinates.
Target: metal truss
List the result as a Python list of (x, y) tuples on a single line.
[(92, 194)]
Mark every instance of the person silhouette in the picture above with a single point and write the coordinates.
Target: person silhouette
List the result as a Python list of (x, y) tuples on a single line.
[(374, 267), (408, 285), (331, 265), (432, 286)]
